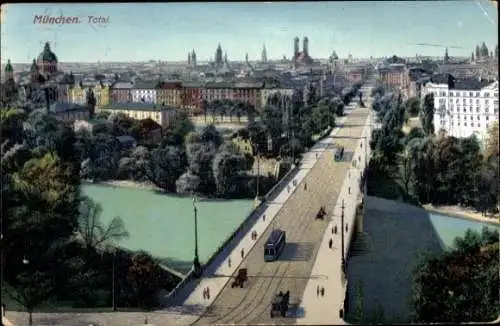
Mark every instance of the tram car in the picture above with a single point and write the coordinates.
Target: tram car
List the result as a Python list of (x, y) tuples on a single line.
[(274, 245)]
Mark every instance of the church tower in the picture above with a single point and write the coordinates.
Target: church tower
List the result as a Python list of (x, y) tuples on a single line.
[(9, 71), (189, 58), (305, 46), (263, 56), (193, 59), (296, 47), (246, 58), (218, 56)]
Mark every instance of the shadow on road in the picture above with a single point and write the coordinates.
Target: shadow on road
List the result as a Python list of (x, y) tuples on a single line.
[(295, 251)]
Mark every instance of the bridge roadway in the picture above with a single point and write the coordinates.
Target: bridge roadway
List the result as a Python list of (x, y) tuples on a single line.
[(251, 305)]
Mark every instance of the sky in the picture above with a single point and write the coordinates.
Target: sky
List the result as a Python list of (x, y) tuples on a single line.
[(167, 31)]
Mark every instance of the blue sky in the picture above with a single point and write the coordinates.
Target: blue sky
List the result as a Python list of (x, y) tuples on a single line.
[(138, 32)]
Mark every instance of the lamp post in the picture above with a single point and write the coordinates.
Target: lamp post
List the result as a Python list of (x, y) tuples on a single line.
[(196, 261), (26, 262), (112, 250)]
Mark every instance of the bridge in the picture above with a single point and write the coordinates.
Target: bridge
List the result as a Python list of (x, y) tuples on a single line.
[(307, 262)]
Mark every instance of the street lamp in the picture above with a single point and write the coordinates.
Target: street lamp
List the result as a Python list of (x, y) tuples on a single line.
[(196, 261), (112, 250)]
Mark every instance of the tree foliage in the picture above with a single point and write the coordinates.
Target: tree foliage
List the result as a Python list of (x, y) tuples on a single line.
[(460, 285)]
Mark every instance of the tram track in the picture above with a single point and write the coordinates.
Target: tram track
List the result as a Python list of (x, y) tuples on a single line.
[(264, 279), (297, 218)]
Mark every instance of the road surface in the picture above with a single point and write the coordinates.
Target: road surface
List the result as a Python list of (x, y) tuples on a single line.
[(251, 304)]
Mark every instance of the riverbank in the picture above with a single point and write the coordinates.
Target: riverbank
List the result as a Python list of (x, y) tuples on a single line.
[(462, 212), (125, 184)]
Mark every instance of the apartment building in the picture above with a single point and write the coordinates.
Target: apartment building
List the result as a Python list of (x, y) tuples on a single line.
[(163, 115), (463, 107)]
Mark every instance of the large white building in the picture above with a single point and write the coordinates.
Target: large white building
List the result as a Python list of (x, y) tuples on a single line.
[(463, 107), (144, 92)]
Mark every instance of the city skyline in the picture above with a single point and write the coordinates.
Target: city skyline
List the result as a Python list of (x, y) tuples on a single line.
[(167, 32)]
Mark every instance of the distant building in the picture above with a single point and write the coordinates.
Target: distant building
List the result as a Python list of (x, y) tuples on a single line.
[(46, 62), (144, 92), (121, 92), (301, 58), (169, 93), (191, 98), (162, 115), (396, 76), (69, 112), (463, 107)]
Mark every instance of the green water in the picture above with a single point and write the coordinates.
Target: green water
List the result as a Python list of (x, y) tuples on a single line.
[(164, 225)]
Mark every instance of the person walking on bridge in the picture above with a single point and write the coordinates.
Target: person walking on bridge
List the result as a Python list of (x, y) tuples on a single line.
[(242, 253), (330, 243)]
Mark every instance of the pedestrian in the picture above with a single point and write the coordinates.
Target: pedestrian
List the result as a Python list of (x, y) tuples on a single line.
[(349, 190), (242, 252), (229, 262), (317, 291), (316, 155), (335, 229), (322, 291), (264, 217), (332, 230), (330, 243), (208, 293), (288, 188), (204, 293), (346, 228), (305, 186)]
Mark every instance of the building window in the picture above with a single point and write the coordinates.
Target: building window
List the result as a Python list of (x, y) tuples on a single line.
[(470, 94), (465, 124), (479, 125), (472, 124), (465, 110), (486, 94), (487, 117)]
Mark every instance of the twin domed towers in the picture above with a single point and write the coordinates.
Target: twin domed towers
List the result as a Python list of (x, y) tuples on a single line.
[(305, 47)]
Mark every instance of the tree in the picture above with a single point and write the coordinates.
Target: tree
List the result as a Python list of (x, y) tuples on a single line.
[(405, 174), (91, 229), (427, 115), (188, 183), (164, 166), (182, 125), (91, 102), (211, 134), (412, 106), (461, 284), (492, 146), (227, 168), (30, 289), (145, 276)]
